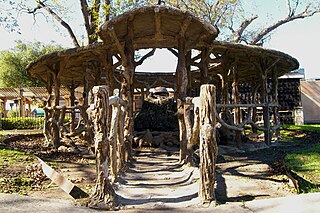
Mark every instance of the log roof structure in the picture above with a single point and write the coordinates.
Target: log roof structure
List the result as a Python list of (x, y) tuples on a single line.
[(247, 57)]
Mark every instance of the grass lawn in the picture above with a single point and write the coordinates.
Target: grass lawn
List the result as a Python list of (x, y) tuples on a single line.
[(305, 127), (18, 172), (305, 161)]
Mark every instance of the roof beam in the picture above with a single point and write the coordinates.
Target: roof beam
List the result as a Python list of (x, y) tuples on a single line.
[(185, 26), (114, 37), (158, 35)]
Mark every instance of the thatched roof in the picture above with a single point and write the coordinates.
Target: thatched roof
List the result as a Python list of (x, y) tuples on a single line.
[(158, 26)]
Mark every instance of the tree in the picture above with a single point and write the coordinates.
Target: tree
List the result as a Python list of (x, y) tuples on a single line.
[(296, 9), (14, 61), (94, 13), (229, 16)]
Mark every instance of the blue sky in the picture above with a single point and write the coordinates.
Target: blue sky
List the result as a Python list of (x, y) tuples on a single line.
[(299, 38)]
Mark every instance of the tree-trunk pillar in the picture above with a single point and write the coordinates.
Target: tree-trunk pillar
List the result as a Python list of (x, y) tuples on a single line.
[(208, 144), (181, 91), (188, 126), (204, 64), (103, 195), (72, 104), (127, 93), (47, 129), (266, 110), (120, 139), (236, 101), (113, 140), (275, 101), (254, 109), (56, 112)]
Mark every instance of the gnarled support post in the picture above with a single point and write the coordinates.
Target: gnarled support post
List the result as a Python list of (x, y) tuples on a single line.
[(208, 144), (103, 196), (116, 103), (196, 124), (120, 140), (236, 100), (254, 109), (72, 88), (54, 119), (188, 127), (127, 95), (275, 101), (182, 84), (47, 113)]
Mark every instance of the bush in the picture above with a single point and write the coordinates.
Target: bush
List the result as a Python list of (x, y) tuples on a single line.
[(12, 113), (21, 123)]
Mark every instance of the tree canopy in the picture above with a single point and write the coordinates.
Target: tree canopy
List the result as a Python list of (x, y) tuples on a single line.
[(14, 61), (234, 22)]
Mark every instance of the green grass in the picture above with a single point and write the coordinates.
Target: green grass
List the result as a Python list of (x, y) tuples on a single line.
[(306, 163), (9, 157), (306, 127), (16, 181)]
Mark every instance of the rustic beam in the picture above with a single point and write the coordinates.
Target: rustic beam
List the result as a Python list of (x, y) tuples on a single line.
[(113, 35), (208, 144), (158, 35), (185, 26)]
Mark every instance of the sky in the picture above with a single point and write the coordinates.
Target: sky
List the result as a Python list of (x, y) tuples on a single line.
[(299, 38)]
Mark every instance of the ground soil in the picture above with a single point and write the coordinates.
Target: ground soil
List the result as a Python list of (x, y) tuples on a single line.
[(156, 179)]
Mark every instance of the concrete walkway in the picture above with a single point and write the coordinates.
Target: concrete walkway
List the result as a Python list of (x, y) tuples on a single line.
[(294, 204)]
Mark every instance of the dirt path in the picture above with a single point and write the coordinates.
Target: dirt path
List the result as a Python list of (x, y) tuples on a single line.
[(157, 180)]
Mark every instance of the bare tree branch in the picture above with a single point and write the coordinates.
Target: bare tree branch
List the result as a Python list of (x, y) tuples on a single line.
[(238, 34), (174, 52), (58, 18), (306, 13), (149, 54)]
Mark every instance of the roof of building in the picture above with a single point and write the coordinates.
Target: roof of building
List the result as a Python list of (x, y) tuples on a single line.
[(31, 92), (158, 26)]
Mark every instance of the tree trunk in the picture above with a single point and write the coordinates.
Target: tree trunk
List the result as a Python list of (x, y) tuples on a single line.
[(56, 112), (72, 104), (208, 145), (254, 109), (266, 110), (188, 126), (113, 141), (236, 101), (196, 124), (103, 196), (47, 114), (120, 140), (182, 84), (127, 95), (275, 101)]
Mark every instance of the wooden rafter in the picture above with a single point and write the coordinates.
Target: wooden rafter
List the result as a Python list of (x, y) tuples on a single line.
[(158, 35), (185, 26)]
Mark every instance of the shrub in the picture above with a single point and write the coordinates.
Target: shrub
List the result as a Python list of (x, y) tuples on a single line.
[(21, 123)]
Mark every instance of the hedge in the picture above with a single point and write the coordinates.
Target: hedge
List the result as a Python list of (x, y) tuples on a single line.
[(21, 123)]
